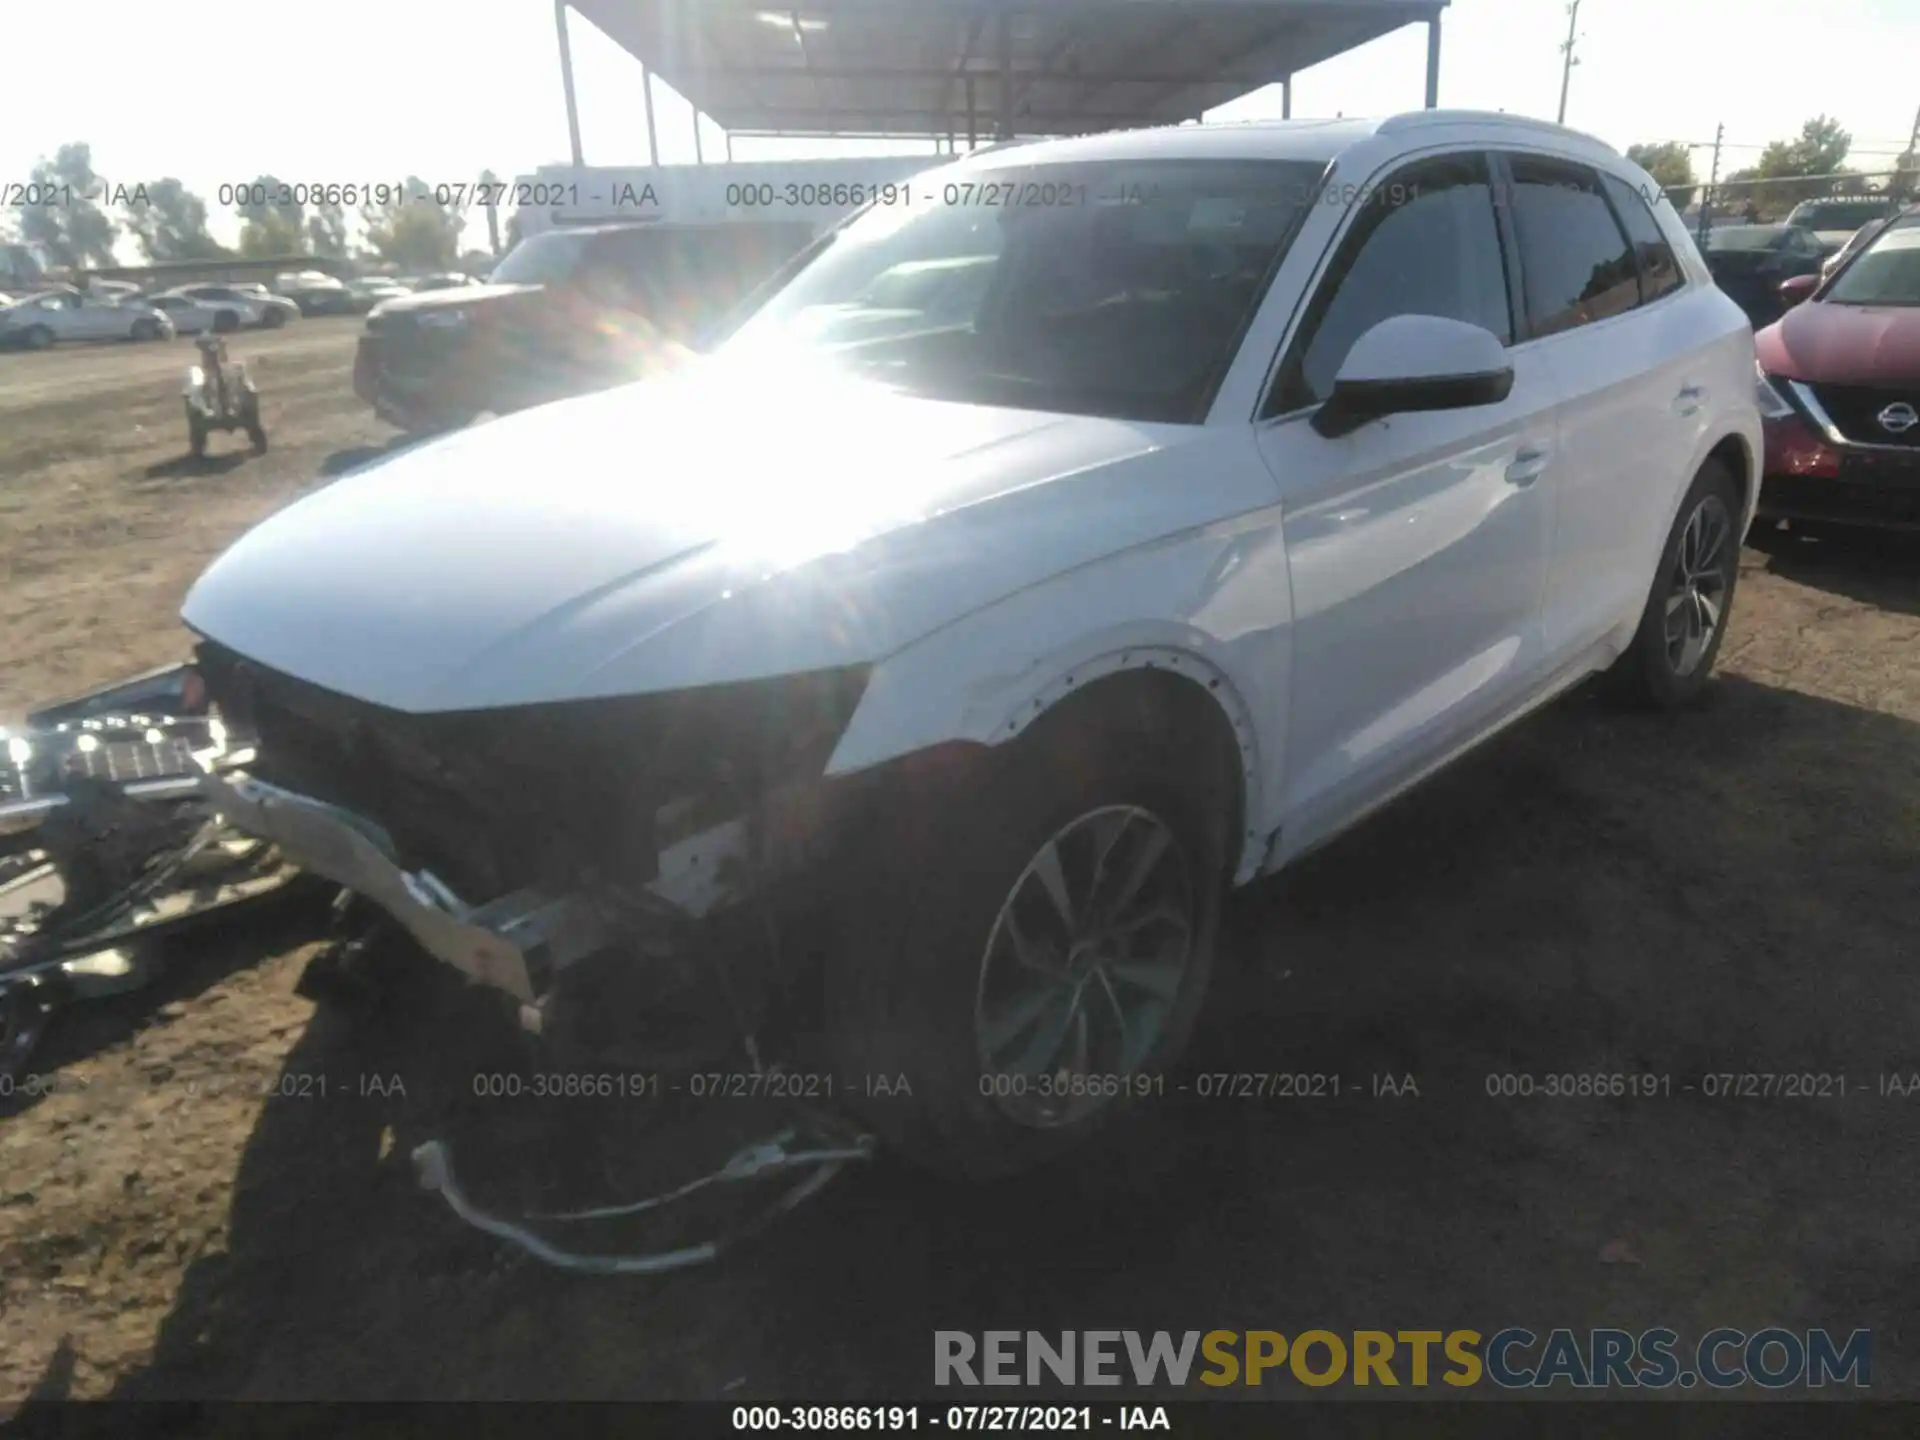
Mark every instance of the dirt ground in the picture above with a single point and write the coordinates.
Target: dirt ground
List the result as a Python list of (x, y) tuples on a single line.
[(218, 1200)]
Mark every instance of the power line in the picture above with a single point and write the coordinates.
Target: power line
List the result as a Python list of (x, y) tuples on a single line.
[(1731, 145)]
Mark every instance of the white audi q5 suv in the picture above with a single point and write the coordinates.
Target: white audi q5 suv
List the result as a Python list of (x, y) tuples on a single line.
[(1203, 490)]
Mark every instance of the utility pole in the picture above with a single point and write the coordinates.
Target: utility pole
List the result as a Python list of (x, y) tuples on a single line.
[(1912, 155), (1566, 69), (1706, 200)]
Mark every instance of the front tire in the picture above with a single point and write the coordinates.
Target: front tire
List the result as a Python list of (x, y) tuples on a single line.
[(37, 337), (1671, 657), (196, 433), (273, 319), (146, 330), (1022, 951)]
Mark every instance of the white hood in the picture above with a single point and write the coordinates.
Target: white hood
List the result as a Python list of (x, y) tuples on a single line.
[(690, 531)]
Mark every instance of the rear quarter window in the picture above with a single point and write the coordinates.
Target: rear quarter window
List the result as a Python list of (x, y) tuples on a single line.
[(1660, 272), (1577, 264)]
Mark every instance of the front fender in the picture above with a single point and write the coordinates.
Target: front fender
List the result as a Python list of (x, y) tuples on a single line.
[(986, 679)]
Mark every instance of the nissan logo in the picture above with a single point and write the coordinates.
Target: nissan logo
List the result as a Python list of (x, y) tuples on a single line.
[(1899, 418)]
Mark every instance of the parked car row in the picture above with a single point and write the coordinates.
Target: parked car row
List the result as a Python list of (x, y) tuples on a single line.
[(119, 310)]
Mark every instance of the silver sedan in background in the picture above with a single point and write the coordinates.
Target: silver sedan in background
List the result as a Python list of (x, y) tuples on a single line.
[(37, 321)]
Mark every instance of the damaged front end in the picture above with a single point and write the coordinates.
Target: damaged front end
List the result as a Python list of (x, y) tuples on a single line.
[(518, 844), (641, 877)]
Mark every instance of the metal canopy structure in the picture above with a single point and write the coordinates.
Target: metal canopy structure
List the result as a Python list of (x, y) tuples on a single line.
[(954, 69)]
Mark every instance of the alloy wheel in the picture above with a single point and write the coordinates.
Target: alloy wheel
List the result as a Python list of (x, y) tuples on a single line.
[(1084, 966), (1698, 585)]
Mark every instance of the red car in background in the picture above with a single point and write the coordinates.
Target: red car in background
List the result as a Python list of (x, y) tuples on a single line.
[(1840, 390)]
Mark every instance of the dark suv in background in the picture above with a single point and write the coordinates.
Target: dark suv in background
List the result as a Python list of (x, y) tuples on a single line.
[(1835, 221), (567, 311)]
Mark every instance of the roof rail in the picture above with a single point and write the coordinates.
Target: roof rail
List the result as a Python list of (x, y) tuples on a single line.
[(1423, 119)]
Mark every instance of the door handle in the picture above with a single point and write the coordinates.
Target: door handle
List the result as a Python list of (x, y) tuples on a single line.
[(1527, 467), (1689, 400)]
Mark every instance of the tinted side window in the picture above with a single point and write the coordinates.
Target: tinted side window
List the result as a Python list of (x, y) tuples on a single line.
[(1659, 270), (1577, 264), (1427, 243)]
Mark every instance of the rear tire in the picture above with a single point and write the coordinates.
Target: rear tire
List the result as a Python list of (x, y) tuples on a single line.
[(273, 318), (257, 434), (196, 433), (925, 982), (1671, 656), (37, 337), (146, 330)]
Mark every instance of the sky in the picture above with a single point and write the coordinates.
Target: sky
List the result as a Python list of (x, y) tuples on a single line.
[(220, 91)]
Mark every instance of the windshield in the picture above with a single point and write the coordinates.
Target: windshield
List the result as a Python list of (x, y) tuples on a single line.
[(1746, 237), (1836, 214), (1886, 273), (1118, 288), (541, 259)]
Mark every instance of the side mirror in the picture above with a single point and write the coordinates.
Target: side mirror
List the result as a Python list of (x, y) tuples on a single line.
[(1793, 291), (1408, 363)]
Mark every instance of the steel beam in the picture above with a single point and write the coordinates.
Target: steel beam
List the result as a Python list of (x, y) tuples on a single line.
[(566, 80), (1433, 63), (653, 135)]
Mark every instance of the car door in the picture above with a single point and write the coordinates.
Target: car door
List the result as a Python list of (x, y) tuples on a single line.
[(66, 316), (1417, 544), (93, 319), (1632, 383)]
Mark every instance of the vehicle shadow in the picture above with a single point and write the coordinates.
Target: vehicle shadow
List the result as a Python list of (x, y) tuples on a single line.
[(342, 462), (1876, 567), (189, 466), (1599, 894)]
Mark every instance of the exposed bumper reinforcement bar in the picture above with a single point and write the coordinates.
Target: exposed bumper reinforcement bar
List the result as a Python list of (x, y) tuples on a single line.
[(513, 944)]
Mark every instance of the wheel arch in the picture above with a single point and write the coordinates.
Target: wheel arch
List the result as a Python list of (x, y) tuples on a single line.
[(1740, 449), (1160, 690), (1738, 455), (1157, 682)]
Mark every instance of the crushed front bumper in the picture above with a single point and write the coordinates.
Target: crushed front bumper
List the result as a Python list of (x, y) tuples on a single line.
[(514, 944)]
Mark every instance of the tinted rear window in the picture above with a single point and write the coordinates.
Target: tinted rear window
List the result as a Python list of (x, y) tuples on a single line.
[(1578, 265), (1659, 270)]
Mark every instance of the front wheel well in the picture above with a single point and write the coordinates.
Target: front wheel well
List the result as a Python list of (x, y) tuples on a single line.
[(1176, 711), (1732, 452)]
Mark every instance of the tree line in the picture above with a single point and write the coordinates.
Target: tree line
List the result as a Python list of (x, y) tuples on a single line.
[(1780, 179), (81, 222)]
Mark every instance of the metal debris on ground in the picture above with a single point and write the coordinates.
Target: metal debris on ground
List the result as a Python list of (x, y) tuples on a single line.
[(106, 845)]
